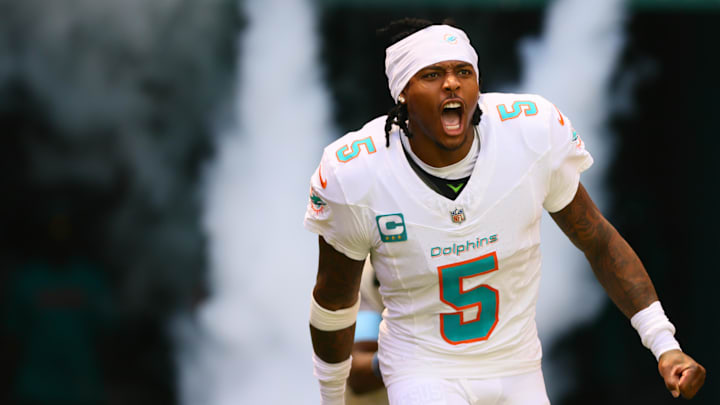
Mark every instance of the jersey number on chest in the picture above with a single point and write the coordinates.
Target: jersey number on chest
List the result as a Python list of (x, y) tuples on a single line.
[(458, 327)]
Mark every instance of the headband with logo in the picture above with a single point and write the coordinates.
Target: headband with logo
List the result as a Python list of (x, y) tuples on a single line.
[(436, 43)]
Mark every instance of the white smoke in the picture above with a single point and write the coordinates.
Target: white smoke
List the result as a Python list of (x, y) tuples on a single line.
[(251, 343), (571, 65)]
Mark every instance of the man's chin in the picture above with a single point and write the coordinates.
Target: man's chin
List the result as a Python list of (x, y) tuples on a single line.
[(451, 142), (450, 145)]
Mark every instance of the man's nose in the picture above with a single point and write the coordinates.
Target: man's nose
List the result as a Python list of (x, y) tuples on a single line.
[(451, 82)]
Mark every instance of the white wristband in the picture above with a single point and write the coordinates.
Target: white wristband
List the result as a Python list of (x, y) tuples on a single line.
[(332, 377), (327, 320), (655, 330)]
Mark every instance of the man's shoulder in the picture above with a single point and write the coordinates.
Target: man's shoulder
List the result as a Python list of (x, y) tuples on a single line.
[(519, 120), (353, 150), (514, 102), (353, 160), (371, 133), (519, 111)]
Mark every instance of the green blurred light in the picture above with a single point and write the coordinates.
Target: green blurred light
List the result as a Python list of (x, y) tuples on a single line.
[(517, 4), (675, 4), (510, 4)]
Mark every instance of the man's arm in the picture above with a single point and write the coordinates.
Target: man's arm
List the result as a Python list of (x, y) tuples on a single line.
[(336, 288), (365, 372), (613, 261), (625, 280), (363, 378)]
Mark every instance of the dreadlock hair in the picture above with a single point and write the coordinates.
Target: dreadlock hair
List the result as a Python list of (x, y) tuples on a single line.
[(394, 32)]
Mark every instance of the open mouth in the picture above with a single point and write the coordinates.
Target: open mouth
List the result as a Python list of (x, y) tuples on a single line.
[(451, 116)]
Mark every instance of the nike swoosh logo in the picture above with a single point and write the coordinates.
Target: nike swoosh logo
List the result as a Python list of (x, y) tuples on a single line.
[(456, 188), (561, 120), (323, 182)]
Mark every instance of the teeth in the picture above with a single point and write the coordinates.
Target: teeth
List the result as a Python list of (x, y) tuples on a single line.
[(452, 104)]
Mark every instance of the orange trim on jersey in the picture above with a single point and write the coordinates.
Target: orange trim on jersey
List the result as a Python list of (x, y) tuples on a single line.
[(561, 120), (323, 182)]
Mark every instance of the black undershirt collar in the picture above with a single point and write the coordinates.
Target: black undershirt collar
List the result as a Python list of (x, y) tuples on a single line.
[(445, 187)]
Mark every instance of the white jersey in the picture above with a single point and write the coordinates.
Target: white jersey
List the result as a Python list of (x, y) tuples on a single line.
[(459, 279), (369, 294)]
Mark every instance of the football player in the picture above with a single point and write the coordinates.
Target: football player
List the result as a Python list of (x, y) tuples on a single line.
[(445, 194)]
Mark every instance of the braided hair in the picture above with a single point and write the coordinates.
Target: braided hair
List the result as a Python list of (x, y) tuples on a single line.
[(394, 32)]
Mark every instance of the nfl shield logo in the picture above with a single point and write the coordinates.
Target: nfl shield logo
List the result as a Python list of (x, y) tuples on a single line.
[(458, 215)]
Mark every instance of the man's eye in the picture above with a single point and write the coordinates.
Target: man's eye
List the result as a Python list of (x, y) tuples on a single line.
[(465, 72), (431, 75)]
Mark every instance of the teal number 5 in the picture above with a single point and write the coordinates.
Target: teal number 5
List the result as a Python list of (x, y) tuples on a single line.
[(345, 154), (455, 329)]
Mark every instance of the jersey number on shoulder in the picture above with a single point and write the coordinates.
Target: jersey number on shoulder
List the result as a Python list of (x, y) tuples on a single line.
[(344, 156), (518, 107), (455, 327)]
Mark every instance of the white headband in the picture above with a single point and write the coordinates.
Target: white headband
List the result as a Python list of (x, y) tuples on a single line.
[(436, 43)]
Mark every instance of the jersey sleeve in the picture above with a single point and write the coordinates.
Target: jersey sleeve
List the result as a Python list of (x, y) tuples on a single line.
[(569, 158), (329, 214)]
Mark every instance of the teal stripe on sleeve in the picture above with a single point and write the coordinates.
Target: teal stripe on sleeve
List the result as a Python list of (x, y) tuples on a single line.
[(367, 326)]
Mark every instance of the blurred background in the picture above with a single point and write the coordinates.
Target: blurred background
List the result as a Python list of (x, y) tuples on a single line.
[(155, 164)]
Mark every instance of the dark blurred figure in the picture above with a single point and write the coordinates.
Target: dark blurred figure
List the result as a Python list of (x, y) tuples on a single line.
[(58, 312)]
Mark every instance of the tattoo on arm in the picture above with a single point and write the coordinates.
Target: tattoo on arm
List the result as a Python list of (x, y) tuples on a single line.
[(613, 261)]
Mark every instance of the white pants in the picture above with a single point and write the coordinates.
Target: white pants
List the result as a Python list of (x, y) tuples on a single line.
[(522, 389)]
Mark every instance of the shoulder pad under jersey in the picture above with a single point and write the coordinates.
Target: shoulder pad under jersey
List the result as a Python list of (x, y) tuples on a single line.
[(529, 115), (350, 164)]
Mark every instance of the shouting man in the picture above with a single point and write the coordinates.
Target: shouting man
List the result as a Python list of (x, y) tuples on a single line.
[(445, 194)]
